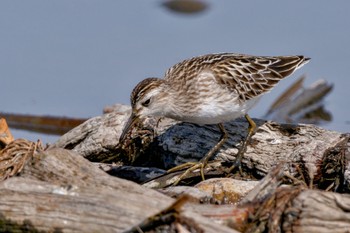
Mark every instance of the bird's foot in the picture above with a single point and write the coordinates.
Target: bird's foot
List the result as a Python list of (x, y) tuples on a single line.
[(191, 166)]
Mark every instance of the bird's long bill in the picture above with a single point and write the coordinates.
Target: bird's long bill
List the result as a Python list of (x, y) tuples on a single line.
[(133, 119)]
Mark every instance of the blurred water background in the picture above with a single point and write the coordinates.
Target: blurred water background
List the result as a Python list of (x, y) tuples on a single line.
[(74, 57)]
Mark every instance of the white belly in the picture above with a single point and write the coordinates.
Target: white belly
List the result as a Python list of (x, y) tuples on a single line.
[(214, 112)]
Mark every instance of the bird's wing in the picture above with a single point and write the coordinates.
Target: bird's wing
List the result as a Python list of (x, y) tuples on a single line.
[(248, 76)]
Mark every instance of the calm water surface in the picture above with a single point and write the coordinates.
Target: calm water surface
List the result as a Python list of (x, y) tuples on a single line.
[(72, 58)]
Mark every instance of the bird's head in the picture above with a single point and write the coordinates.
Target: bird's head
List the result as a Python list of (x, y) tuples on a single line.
[(149, 98)]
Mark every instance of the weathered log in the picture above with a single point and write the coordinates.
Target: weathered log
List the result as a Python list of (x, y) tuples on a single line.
[(59, 189), (316, 211), (310, 151)]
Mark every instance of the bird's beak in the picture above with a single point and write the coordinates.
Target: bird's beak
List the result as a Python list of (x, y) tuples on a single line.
[(133, 119)]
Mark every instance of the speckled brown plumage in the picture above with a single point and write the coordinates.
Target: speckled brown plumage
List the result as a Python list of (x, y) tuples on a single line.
[(249, 76), (211, 89)]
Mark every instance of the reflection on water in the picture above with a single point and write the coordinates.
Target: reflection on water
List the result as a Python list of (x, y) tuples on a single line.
[(61, 58)]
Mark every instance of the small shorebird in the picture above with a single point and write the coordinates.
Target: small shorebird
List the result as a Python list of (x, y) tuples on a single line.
[(211, 89)]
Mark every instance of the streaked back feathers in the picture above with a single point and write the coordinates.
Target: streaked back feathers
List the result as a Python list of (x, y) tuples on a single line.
[(247, 75)]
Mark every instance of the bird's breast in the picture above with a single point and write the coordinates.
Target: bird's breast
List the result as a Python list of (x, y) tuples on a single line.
[(202, 100), (215, 111)]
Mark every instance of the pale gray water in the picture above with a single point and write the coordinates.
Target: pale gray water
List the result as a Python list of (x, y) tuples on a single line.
[(72, 58)]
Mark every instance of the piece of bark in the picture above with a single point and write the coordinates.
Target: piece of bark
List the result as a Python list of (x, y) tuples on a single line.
[(215, 191), (316, 211), (294, 209), (226, 190), (167, 143), (59, 189)]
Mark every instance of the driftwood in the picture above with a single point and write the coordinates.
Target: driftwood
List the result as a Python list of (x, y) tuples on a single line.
[(302, 104), (167, 143), (41, 124), (58, 190)]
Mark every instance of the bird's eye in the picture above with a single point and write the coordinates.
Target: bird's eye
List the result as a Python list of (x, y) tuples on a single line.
[(146, 102)]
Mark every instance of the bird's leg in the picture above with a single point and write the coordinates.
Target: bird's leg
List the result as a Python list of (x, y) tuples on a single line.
[(204, 161), (251, 130), (223, 139)]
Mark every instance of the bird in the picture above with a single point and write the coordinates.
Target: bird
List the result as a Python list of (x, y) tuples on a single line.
[(211, 89)]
